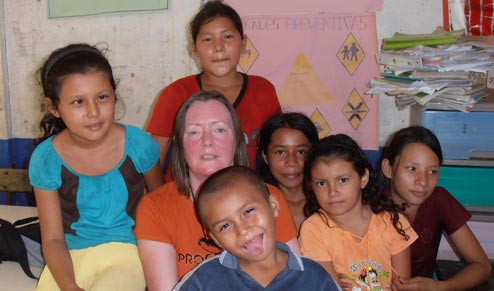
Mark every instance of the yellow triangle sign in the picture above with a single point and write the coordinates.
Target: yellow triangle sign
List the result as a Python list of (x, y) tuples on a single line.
[(303, 86)]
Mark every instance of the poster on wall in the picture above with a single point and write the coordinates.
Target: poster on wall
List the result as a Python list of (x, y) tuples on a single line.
[(320, 57), (64, 8)]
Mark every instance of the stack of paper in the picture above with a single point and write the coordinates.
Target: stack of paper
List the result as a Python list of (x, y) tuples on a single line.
[(452, 74)]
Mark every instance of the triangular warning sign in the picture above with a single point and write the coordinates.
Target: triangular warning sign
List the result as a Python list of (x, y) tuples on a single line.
[(303, 85)]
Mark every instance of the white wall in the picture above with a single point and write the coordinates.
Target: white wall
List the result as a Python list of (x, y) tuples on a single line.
[(3, 88), (149, 51), (407, 16)]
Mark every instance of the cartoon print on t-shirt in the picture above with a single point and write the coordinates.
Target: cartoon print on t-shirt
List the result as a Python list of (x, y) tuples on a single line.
[(367, 277)]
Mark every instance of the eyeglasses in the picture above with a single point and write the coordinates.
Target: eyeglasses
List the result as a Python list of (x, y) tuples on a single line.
[(209, 245)]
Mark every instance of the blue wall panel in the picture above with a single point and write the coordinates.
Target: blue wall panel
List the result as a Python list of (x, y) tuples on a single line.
[(15, 153)]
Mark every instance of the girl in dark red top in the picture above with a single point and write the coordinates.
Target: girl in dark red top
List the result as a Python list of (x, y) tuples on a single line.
[(410, 166)]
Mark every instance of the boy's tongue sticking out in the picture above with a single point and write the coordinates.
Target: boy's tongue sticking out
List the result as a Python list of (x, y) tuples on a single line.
[(255, 245)]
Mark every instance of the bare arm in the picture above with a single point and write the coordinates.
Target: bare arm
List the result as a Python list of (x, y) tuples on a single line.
[(478, 268), (402, 263), (164, 144), (159, 261), (475, 272), (55, 250), (402, 270), (154, 177)]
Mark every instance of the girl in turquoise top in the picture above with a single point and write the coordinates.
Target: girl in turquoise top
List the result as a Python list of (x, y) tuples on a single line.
[(88, 173)]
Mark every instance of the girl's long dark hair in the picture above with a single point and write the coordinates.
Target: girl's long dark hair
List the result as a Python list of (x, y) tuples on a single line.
[(72, 59), (344, 147), (398, 141), (409, 135), (292, 120)]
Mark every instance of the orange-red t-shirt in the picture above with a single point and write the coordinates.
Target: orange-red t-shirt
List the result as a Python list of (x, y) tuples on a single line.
[(167, 216)]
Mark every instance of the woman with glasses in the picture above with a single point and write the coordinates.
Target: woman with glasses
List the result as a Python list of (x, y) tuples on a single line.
[(207, 138)]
